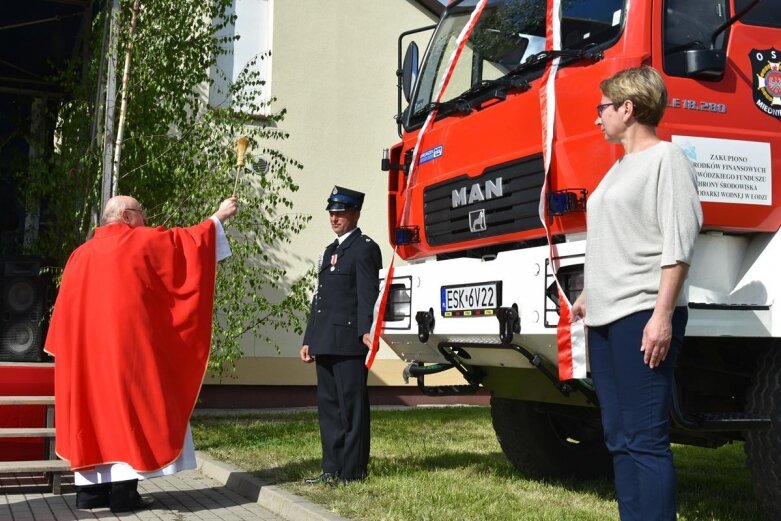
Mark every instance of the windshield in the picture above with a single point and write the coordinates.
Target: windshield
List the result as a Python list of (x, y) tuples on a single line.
[(507, 33)]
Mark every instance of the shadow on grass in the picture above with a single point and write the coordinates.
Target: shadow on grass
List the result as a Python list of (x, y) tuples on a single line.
[(292, 472), (493, 464), (420, 468), (703, 494)]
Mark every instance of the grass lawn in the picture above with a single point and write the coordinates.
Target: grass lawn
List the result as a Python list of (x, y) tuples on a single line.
[(445, 464)]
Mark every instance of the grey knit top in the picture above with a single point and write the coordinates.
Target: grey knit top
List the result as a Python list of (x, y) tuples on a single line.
[(645, 214)]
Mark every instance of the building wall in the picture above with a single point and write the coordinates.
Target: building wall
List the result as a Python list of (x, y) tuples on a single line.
[(334, 70)]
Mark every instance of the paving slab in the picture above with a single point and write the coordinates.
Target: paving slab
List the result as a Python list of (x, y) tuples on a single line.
[(216, 491)]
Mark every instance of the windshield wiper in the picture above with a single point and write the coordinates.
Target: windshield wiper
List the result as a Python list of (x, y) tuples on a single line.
[(487, 90), (455, 106), (446, 107), (592, 52), (504, 84), (475, 96)]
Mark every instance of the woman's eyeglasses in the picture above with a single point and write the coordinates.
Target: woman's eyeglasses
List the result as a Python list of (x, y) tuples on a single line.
[(601, 108)]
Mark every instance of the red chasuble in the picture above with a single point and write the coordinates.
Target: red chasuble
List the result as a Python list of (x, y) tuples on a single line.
[(130, 334)]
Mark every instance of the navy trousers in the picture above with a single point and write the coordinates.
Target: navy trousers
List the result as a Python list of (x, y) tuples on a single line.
[(635, 404), (343, 410)]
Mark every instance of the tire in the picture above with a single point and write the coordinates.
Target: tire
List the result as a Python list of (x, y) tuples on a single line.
[(763, 447), (542, 441)]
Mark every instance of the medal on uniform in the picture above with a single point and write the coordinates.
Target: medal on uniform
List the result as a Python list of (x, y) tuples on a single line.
[(333, 262)]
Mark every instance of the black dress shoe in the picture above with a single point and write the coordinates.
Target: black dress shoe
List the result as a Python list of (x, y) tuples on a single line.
[(136, 503), (93, 496), (325, 477), (83, 503)]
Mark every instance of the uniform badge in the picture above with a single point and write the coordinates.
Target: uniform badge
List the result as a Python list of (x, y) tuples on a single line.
[(333, 262), (766, 68)]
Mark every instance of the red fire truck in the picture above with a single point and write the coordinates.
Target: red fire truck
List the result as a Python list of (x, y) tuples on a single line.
[(477, 293)]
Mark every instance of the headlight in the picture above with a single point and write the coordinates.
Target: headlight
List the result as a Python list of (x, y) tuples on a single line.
[(399, 305)]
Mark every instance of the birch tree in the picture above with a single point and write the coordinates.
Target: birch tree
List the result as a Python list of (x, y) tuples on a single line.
[(178, 159)]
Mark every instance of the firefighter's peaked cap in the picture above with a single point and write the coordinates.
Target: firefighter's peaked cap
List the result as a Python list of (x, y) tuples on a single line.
[(342, 199)]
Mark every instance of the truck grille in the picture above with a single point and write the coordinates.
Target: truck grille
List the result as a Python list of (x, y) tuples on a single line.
[(517, 209)]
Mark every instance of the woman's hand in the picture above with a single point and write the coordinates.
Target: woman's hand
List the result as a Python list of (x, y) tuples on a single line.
[(658, 332), (579, 307), (657, 335)]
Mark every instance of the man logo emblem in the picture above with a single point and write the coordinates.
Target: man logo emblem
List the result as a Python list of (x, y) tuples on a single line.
[(477, 221), (766, 65)]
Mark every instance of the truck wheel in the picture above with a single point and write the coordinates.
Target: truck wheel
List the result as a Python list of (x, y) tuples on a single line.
[(763, 447), (541, 440)]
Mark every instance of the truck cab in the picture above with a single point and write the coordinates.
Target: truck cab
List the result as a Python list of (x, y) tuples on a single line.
[(478, 292)]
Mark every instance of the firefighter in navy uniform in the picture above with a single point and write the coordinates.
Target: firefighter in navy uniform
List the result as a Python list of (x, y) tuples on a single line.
[(337, 340)]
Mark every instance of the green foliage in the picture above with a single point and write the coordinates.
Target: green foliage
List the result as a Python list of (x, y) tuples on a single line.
[(178, 160)]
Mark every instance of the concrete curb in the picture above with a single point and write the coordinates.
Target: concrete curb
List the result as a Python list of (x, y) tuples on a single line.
[(270, 497)]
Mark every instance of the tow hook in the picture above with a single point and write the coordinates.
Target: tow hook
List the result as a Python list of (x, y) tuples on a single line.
[(425, 320), (509, 323)]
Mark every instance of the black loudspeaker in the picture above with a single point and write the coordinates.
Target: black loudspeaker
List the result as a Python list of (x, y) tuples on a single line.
[(22, 309)]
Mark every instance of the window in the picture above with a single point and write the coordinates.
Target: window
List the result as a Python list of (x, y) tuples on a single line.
[(767, 13), (688, 26)]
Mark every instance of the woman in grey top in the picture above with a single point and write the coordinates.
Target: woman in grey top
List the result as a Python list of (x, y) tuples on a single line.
[(643, 220)]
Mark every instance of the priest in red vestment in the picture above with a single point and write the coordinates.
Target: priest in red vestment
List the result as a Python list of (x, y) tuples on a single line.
[(130, 333)]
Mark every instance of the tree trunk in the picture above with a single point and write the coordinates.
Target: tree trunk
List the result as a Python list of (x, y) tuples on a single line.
[(123, 104)]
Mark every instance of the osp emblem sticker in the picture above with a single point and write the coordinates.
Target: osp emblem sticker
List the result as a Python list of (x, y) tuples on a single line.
[(766, 68)]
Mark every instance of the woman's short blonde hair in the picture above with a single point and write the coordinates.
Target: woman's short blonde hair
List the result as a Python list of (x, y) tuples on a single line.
[(644, 87)]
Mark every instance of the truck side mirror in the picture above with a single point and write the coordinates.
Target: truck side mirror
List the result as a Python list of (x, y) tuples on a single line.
[(707, 64), (409, 71)]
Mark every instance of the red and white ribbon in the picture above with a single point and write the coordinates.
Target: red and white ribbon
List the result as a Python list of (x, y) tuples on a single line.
[(571, 336), (382, 298)]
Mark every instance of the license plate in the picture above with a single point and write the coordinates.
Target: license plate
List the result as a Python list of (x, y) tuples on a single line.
[(471, 300)]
